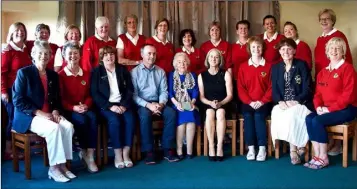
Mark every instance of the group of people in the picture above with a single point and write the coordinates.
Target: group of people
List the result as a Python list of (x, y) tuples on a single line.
[(146, 79)]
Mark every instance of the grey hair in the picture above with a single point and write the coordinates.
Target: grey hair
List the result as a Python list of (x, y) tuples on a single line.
[(100, 20), (70, 45), (337, 41), (221, 60), (178, 55), (40, 44)]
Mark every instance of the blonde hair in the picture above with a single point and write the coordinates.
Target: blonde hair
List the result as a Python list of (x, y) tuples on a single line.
[(40, 44), (178, 55), (101, 20), (69, 28), (331, 13), (221, 60), (13, 27), (131, 16), (336, 41), (257, 40)]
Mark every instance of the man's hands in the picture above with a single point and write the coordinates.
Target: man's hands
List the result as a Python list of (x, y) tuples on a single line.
[(155, 107)]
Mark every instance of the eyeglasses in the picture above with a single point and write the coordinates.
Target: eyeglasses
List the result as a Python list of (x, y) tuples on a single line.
[(324, 19)]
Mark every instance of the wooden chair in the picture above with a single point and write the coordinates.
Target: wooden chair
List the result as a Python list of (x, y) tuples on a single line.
[(241, 136), (344, 132), (231, 128), (26, 142)]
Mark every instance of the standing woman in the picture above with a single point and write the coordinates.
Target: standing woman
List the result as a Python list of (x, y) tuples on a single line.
[(215, 85), (254, 86), (112, 92), (13, 57), (36, 95), (327, 19), (77, 102), (164, 49), (91, 47), (183, 92), (271, 38), (303, 51), (130, 43), (335, 100), (214, 32), (239, 49), (187, 40), (72, 34), (43, 33), (291, 83)]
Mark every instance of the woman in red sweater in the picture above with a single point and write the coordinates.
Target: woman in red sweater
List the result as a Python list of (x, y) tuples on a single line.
[(271, 38), (164, 49), (239, 49), (77, 103), (130, 43), (72, 34), (303, 51), (43, 33), (255, 92), (214, 32), (90, 53), (13, 57), (335, 100), (327, 19), (187, 40)]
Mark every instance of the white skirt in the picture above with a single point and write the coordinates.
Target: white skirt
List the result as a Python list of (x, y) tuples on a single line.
[(289, 125)]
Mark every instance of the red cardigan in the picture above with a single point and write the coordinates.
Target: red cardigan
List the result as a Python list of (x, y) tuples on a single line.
[(271, 54), (131, 51), (239, 56)]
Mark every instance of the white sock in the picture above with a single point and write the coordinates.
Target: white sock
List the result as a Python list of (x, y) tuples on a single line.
[(251, 148), (262, 148)]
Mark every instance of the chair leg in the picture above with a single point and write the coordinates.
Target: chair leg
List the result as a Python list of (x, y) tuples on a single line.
[(354, 145), (68, 164), (133, 150), (98, 150), (198, 140), (234, 139), (285, 147), (205, 141), (345, 147), (27, 158), (277, 149), (105, 144), (15, 160), (241, 138), (45, 155), (269, 139)]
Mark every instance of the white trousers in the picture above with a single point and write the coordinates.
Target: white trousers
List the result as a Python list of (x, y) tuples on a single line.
[(58, 137)]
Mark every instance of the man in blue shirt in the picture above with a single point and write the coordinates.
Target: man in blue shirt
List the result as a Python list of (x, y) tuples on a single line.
[(151, 96)]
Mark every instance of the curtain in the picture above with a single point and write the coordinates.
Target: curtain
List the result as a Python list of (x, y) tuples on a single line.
[(182, 14)]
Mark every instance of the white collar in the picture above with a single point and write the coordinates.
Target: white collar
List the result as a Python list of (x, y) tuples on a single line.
[(329, 33), (261, 63), (98, 37), (69, 73), (339, 64), (297, 41), (16, 48), (240, 43), (158, 40), (135, 38), (272, 38), (192, 50), (217, 43)]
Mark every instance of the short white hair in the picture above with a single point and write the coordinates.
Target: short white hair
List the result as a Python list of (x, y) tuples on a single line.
[(181, 54), (101, 20), (336, 41)]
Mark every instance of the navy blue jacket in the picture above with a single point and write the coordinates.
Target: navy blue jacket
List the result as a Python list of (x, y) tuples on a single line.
[(300, 81), (28, 96), (100, 90)]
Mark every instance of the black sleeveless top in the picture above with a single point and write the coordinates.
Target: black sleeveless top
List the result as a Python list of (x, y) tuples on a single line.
[(214, 85)]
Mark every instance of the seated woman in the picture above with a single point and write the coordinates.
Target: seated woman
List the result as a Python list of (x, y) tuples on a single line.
[(112, 92), (291, 84), (254, 86), (36, 98), (183, 92), (335, 100), (215, 86), (77, 102)]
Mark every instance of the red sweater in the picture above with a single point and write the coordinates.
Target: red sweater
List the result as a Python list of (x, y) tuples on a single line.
[(225, 49), (131, 51), (11, 61), (90, 55), (303, 52), (239, 56), (54, 47), (164, 54), (254, 83), (321, 60), (271, 54), (196, 60), (75, 89), (336, 89)]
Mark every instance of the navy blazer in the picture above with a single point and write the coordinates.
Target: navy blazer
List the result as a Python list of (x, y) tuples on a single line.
[(100, 89), (300, 81), (28, 96)]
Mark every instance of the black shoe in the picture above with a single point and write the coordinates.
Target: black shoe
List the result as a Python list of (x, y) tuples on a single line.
[(170, 156), (150, 158), (181, 157), (211, 158), (189, 156), (219, 158)]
